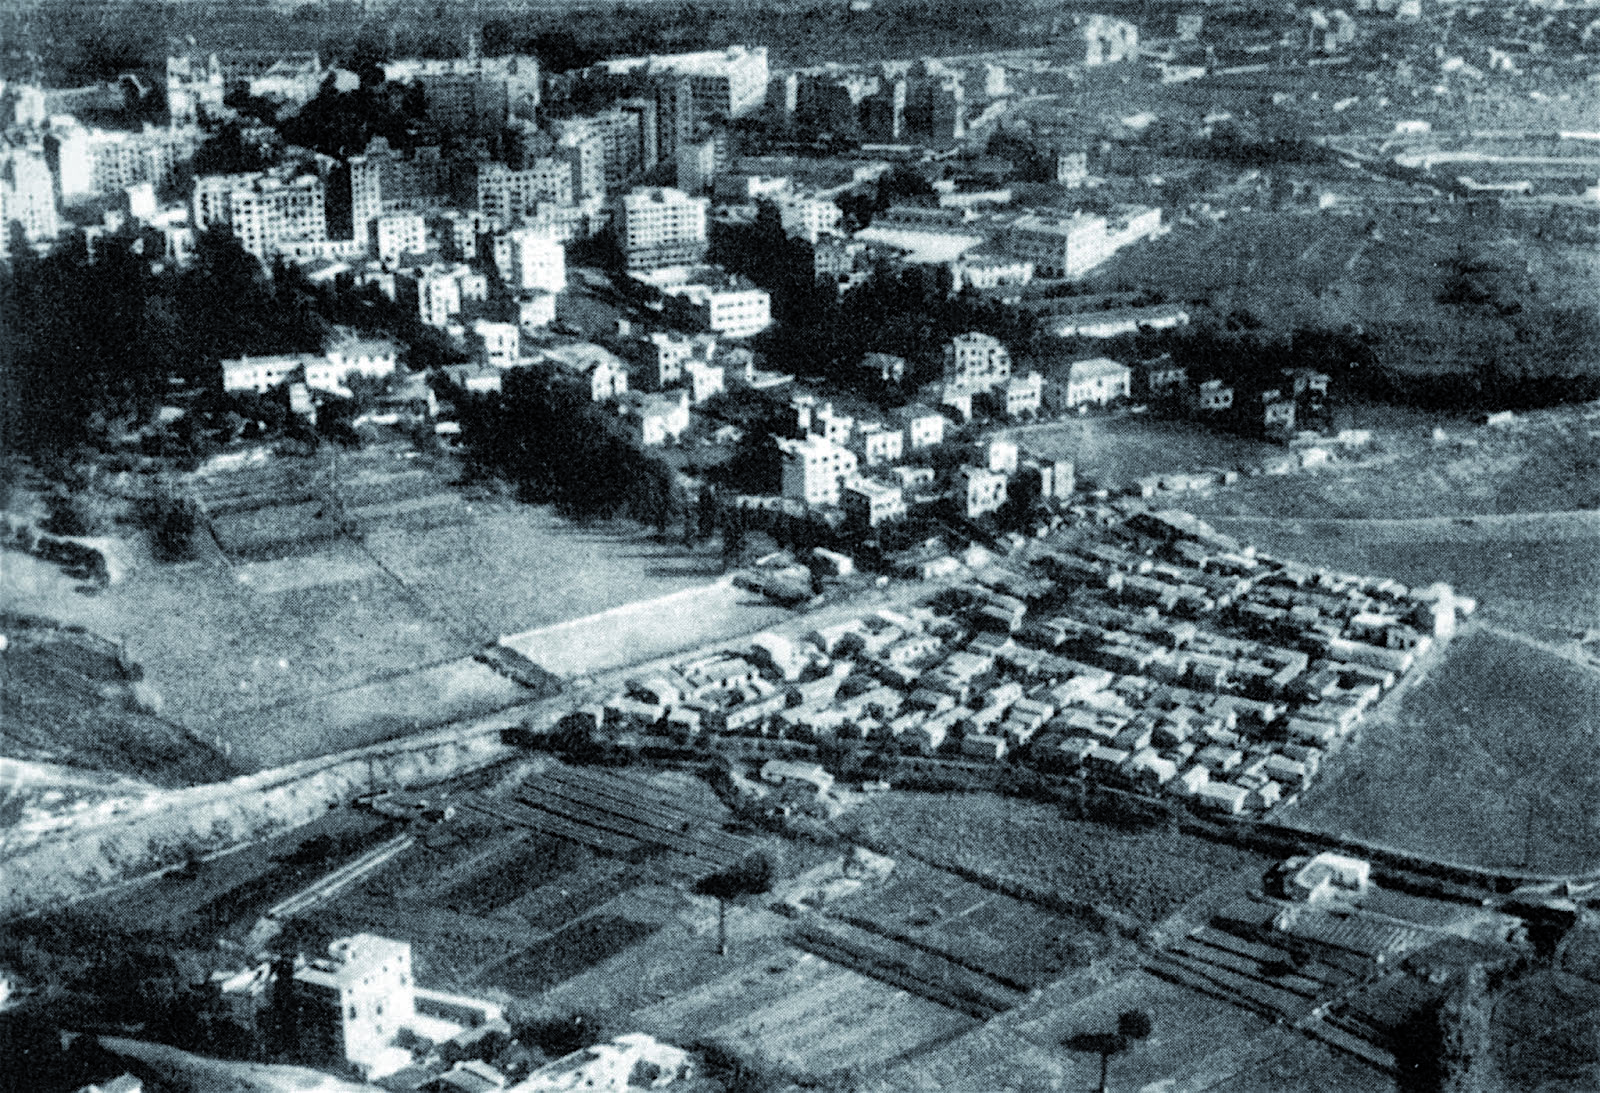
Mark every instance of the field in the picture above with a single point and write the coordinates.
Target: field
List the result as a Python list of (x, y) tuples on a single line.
[(1545, 1032), (1490, 759), (1146, 874), (1113, 452), (1548, 461), (64, 699), (311, 646)]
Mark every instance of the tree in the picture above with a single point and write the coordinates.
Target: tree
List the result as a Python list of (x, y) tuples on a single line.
[(752, 876), (1132, 1026)]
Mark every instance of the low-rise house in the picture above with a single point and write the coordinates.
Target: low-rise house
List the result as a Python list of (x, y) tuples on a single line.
[(1097, 382), (1214, 396), (784, 772), (1223, 797), (980, 491), (983, 746), (1219, 758), (1148, 767), (655, 418), (1162, 377), (1105, 760), (1188, 783), (877, 445), (868, 503), (923, 427), (1024, 395)]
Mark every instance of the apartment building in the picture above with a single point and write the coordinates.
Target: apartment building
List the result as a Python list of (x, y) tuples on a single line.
[(980, 490), (506, 197), (397, 234), (530, 259), (878, 445), (812, 468), (660, 227), (264, 212), (1059, 246), (1024, 395), (27, 196), (868, 503), (1097, 382), (975, 360)]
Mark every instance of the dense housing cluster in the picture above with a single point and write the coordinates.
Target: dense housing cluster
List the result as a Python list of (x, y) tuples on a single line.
[(1156, 656)]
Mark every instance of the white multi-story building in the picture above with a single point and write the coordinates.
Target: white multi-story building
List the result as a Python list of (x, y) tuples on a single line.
[(981, 490), (869, 503), (879, 445), (620, 143), (533, 260), (655, 418), (264, 212), (585, 150), (1097, 381), (726, 83), (662, 227), (708, 300), (812, 468), (1024, 394), (1059, 246), (457, 231), (1070, 246), (27, 195), (437, 291), (923, 427), (357, 1002), (976, 360), (502, 342), (663, 355), (536, 311), (505, 196), (810, 218), (705, 380), (398, 234)]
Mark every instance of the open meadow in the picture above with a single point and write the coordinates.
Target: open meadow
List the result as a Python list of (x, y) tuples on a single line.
[(303, 641), (1490, 760), (1546, 461)]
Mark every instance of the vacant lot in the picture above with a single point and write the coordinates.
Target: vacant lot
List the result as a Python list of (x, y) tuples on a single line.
[(1147, 874), (1490, 760), (1115, 451), (1545, 462), (1545, 1032)]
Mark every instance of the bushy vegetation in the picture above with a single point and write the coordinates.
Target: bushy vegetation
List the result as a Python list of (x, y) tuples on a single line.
[(545, 435)]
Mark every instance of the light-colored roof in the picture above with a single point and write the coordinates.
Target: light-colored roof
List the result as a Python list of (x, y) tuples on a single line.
[(1094, 369)]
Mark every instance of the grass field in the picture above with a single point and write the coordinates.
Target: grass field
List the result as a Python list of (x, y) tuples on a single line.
[(1147, 874), (344, 643), (1491, 759), (1545, 462)]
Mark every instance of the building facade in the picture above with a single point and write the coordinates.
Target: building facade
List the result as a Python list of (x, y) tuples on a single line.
[(662, 227)]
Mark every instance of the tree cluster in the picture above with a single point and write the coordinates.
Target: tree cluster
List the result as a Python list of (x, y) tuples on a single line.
[(545, 435), (342, 124)]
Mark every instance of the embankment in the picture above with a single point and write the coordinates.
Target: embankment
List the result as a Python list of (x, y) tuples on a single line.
[(50, 863)]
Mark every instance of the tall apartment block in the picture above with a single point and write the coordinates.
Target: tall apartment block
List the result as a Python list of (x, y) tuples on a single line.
[(505, 196), (265, 212), (27, 194), (660, 227)]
